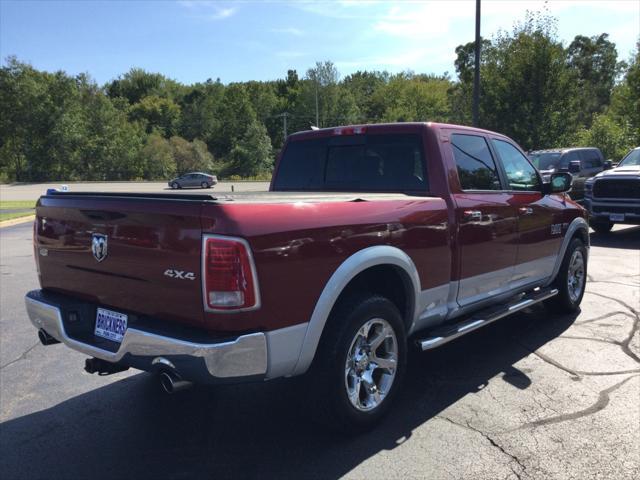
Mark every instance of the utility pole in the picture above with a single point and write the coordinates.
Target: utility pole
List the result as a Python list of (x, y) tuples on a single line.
[(317, 114), (284, 119), (476, 72), (284, 116)]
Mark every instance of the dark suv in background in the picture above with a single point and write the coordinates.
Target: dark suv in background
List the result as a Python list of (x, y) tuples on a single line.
[(582, 163)]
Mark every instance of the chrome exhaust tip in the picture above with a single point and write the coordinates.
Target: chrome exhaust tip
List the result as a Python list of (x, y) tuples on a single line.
[(172, 383), (45, 338)]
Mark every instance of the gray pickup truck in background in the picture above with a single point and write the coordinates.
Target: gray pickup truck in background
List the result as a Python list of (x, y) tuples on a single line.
[(614, 196), (581, 162)]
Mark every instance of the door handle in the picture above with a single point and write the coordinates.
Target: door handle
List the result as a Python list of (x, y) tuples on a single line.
[(525, 210), (472, 215)]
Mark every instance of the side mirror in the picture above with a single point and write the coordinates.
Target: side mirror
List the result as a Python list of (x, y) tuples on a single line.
[(559, 183), (574, 166), (608, 165)]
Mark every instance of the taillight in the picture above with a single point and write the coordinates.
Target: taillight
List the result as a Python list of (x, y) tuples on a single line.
[(349, 130), (229, 275)]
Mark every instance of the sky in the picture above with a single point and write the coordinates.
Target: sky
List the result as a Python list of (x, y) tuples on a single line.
[(191, 41)]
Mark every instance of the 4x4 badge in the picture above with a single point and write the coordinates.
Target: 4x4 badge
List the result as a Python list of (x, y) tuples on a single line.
[(99, 246)]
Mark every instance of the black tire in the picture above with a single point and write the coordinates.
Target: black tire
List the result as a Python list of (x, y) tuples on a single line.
[(601, 226), (175, 185), (204, 185), (328, 375), (567, 301)]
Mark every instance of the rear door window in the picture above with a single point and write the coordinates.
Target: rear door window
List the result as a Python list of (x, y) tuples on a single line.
[(476, 167), (360, 163)]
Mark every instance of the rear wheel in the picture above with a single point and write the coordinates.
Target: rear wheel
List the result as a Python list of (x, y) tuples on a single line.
[(601, 226), (571, 279), (360, 362)]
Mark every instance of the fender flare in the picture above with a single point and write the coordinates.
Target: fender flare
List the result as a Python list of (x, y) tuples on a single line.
[(352, 266), (575, 225)]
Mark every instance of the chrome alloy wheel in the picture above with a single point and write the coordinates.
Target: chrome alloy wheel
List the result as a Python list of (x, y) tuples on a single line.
[(371, 364), (576, 276)]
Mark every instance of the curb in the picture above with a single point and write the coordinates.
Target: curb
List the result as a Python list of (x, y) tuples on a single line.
[(17, 221)]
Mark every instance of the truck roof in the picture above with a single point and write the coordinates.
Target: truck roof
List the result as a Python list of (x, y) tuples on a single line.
[(395, 127), (561, 150)]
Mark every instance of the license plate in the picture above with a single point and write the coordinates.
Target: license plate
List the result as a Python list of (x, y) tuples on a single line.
[(616, 217), (110, 324)]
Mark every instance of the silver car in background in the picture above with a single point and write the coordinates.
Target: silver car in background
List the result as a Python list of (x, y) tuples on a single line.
[(193, 180)]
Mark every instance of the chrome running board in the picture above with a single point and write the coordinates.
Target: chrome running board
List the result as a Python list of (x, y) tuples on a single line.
[(446, 333)]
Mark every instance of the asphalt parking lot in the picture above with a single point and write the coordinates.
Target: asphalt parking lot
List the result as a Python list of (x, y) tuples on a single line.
[(531, 396)]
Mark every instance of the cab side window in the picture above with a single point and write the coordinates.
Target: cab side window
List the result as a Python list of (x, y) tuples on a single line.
[(520, 173), (591, 159), (476, 167)]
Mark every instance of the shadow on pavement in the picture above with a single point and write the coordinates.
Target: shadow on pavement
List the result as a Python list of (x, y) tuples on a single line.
[(627, 238), (129, 429)]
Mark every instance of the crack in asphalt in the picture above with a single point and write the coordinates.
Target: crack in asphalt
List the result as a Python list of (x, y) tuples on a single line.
[(618, 301), (615, 283), (574, 375), (600, 404), (622, 344), (626, 343), (514, 458), (22, 356), (605, 316)]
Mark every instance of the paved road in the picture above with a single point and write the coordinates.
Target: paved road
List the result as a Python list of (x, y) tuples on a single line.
[(531, 396), (32, 191)]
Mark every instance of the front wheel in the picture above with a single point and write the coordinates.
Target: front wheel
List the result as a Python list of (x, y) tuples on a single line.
[(204, 185), (175, 185), (360, 362), (571, 279)]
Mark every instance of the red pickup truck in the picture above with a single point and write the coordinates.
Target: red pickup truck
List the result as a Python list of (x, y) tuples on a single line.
[(371, 239)]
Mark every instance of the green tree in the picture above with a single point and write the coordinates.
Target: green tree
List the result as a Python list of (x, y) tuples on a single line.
[(527, 91), (594, 64), (199, 111), (625, 99), (158, 158), (411, 98), (138, 83), (157, 114), (55, 126), (613, 139), (336, 105), (235, 113), (252, 154), (364, 87), (191, 156)]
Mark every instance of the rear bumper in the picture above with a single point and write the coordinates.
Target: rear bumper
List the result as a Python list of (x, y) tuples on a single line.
[(241, 359)]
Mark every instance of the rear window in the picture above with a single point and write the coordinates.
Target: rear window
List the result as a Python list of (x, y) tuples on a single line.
[(357, 163), (548, 161), (476, 168)]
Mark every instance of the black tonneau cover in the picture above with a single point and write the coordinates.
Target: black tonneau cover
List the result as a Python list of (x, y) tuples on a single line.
[(241, 197)]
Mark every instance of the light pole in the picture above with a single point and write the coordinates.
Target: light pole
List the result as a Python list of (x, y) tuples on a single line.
[(317, 115), (476, 70)]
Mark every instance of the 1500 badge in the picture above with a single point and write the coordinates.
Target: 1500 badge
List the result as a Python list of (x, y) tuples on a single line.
[(180, 274), (556, 228)]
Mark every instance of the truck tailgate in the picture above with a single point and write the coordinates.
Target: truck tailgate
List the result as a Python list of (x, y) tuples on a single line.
[(148, 240)]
